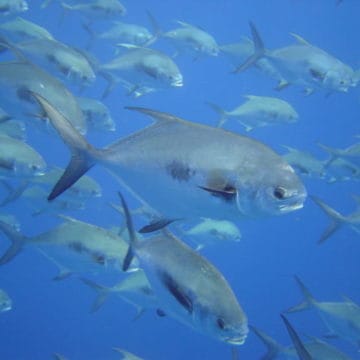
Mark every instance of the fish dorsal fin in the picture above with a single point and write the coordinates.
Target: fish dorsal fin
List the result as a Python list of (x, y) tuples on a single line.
[(157, 115), (300, 39)]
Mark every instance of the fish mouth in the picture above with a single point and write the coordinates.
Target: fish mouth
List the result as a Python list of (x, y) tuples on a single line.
[(288, 208), (177, 83), (6, 308), (240, 340)]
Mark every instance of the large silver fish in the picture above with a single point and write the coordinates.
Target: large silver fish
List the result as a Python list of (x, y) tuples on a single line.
[(184, 169), (304, 64), (187, 286)]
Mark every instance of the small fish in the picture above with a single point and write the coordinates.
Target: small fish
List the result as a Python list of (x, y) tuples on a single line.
[(5, 301), (205, 171), (303, 64), (143, 68), (125, 355), (189, 38), (341, 318), (337, 220), (21, 29), (187, 286), (9, 7), (18, 159), (209, 231), (97, 114), (259, 111)]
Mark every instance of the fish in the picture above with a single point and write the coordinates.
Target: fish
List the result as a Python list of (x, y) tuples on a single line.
[(5, 301), (79, 245), (317, 349), (125, 355), (190, 38), (337, 220), (144, 68), (209, 231), (188, 287), (97, 9), (68, 61), (205, 171), (9, 7), (24, 77), (20, 29), (352, 152), (259, 111), (303, 64), (134, 289), (341, 318), (18, 159), (97, 114)]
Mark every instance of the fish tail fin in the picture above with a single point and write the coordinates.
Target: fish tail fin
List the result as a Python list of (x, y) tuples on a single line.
[(156, 29), (83, 154), (132, 236), (337, 220), (92, 35), (273, 348), (17, 242), (112, 81), (259, 50), (308, 301), (101, 291), (220, 111), (334, 154)]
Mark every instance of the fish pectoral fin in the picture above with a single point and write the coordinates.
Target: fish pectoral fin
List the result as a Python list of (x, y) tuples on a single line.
[(178, 293), (227, 193), (317, 75), (156, 225)]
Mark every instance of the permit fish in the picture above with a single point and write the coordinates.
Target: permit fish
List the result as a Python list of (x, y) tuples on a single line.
[(303, 64), (187, 286), (341, 318), (9, 7), (205, 171), (97, 114), (337, 220), (144, 68), (318, 349), (23, 77), (135, 289), (209, 231), (20, 29), (86, 246), (18, 159), (5, 301), (192, 39), (259, 111)]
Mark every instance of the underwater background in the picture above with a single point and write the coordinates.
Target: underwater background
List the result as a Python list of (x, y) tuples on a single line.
[(53, 316)]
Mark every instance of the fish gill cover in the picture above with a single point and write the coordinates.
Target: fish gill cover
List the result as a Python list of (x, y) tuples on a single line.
[(285, 92)]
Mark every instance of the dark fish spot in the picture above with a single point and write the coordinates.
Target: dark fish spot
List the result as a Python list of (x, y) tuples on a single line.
[(99, 259), (179, 171), (179, 294), (317, 75), (160, 313), (77, 246)]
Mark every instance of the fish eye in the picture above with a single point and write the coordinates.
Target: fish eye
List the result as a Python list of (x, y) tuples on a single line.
[(279, 192), (220, 323)]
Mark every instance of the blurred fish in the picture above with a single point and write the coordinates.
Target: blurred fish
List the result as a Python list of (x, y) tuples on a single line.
[(67, 60), (4, 116), (21, 29), (97, 9), (341, 318), (24, 77), (80, 245), (5, 301), (18, 159), (134, 289), (189, 38), (9, 7), (305, 162), (13, 128), (341, 169), (212, 231), (318, 349), (303, 64), (187, 286), (352, 152), (58, 356), (205, 171), (337, 220), (97, 114), (144, 68), (125, 355), (259, 111)]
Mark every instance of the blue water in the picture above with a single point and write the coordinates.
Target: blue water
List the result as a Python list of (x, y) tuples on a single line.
[(54, 316)]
